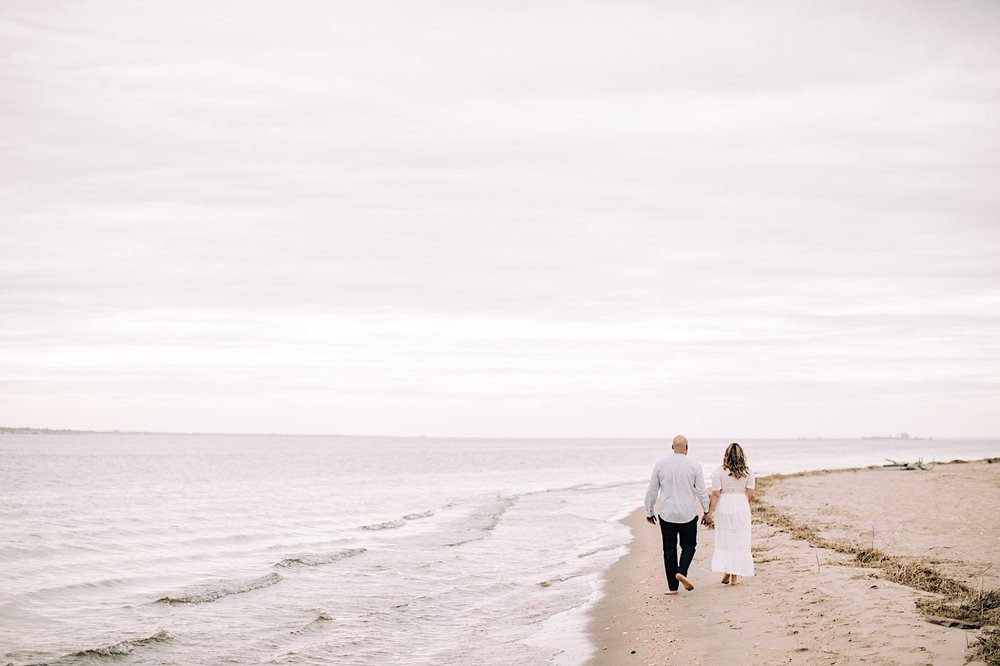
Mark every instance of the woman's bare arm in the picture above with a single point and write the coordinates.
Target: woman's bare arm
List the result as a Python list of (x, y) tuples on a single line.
[(712, 502)]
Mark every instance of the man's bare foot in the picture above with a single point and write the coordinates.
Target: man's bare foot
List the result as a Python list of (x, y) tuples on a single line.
[(670, 593), (684, 581), (725, 579)]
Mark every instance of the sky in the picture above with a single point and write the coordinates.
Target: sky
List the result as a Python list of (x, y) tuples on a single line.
[(533, 219)]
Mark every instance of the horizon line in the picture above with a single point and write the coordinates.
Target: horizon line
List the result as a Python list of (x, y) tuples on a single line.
[(76, 431)]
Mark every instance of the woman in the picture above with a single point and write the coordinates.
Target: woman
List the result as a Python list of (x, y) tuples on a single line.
[(729, 511)]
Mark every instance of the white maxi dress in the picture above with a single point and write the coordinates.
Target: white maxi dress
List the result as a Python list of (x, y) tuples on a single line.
[(732, 524)]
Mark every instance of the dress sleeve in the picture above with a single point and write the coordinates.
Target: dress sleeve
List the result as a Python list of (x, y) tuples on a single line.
[(717, 479), (750, 478)]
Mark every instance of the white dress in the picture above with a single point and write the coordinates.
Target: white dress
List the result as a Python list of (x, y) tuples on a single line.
[(732, 524)]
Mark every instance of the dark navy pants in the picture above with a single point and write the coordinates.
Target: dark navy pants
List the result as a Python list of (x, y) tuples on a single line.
[(687, 533)]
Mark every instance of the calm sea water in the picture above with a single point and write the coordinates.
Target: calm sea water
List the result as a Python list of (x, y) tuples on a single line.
[(185, 549)]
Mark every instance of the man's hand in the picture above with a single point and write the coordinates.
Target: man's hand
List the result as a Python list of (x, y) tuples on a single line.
[(707, 520), (651, 520)]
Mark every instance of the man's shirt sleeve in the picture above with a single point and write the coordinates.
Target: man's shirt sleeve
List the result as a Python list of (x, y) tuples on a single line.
[(653, 491)]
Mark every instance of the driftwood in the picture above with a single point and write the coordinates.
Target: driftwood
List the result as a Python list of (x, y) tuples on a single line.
[(952, 622), (908, 466)]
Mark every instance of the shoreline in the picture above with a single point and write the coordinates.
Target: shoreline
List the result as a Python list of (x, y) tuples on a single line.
[(811, 603)]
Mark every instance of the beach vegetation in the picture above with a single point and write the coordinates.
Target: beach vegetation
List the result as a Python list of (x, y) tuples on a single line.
[(957, 605), (978, 609), (912, 572), (987, 647)]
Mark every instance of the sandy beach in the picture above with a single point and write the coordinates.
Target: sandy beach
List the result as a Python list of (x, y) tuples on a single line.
[(813, 600)]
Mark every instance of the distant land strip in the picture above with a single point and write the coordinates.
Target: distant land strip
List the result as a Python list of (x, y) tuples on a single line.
[(5, 430)]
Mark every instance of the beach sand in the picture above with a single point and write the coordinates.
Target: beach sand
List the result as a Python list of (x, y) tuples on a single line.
[(809, 604)]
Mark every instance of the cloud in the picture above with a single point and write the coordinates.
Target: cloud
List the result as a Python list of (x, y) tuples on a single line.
[(485, 219)]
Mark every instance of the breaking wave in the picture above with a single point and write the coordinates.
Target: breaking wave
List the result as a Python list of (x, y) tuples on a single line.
[(595, 551), (317, 559), (320, 619), (124, 647), (205, 593), (559, 579), (487, 519), (417, 516), (396, 524), (387, 525)]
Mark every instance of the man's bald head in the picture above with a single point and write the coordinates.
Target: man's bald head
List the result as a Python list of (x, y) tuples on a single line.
[(680, 444)]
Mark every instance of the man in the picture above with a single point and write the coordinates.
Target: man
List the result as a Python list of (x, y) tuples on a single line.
[(679, 482)]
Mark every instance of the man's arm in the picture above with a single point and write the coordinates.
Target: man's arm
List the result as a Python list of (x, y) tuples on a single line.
[(652, 492), (699, 487)]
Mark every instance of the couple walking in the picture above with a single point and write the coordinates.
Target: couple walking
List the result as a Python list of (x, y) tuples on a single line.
[(679, 483)]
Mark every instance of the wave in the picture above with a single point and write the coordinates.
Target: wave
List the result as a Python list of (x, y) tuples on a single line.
[(584, 487), (387, 525), (417, 516), (396, 524), (599, 550), (124, 647), (320, 619), (487, 519), (210, 592), (559, 579), (84, 586), (315, 560), (492, 519)]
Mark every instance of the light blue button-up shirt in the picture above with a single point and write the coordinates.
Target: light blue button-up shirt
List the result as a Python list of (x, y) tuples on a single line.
[(679, 482)]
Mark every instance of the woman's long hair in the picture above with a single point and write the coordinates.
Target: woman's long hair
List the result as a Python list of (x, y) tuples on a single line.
[(734, 461)]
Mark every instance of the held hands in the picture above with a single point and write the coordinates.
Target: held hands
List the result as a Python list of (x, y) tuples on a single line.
[(708, 520), (651, 520)]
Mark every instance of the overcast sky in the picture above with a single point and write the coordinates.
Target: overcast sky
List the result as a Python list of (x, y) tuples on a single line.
[(593, 218)]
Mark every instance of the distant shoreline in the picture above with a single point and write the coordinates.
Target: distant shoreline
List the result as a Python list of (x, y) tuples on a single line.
[(67, 431), (8, 430)]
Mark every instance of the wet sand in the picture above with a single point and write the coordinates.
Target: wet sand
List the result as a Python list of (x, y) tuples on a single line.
[(807, 604)]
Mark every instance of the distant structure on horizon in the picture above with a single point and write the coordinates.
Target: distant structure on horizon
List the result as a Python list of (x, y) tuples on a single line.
[(902, 435)]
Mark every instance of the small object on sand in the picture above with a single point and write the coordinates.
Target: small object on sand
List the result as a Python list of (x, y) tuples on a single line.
[(908, 466)]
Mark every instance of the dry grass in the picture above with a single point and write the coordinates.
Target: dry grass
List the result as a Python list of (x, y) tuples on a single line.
[(973, 609), (916, 573), (912, 572), (987, 647), (979, 608)]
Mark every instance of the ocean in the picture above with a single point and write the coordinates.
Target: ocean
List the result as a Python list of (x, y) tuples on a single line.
[(242, 549)]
